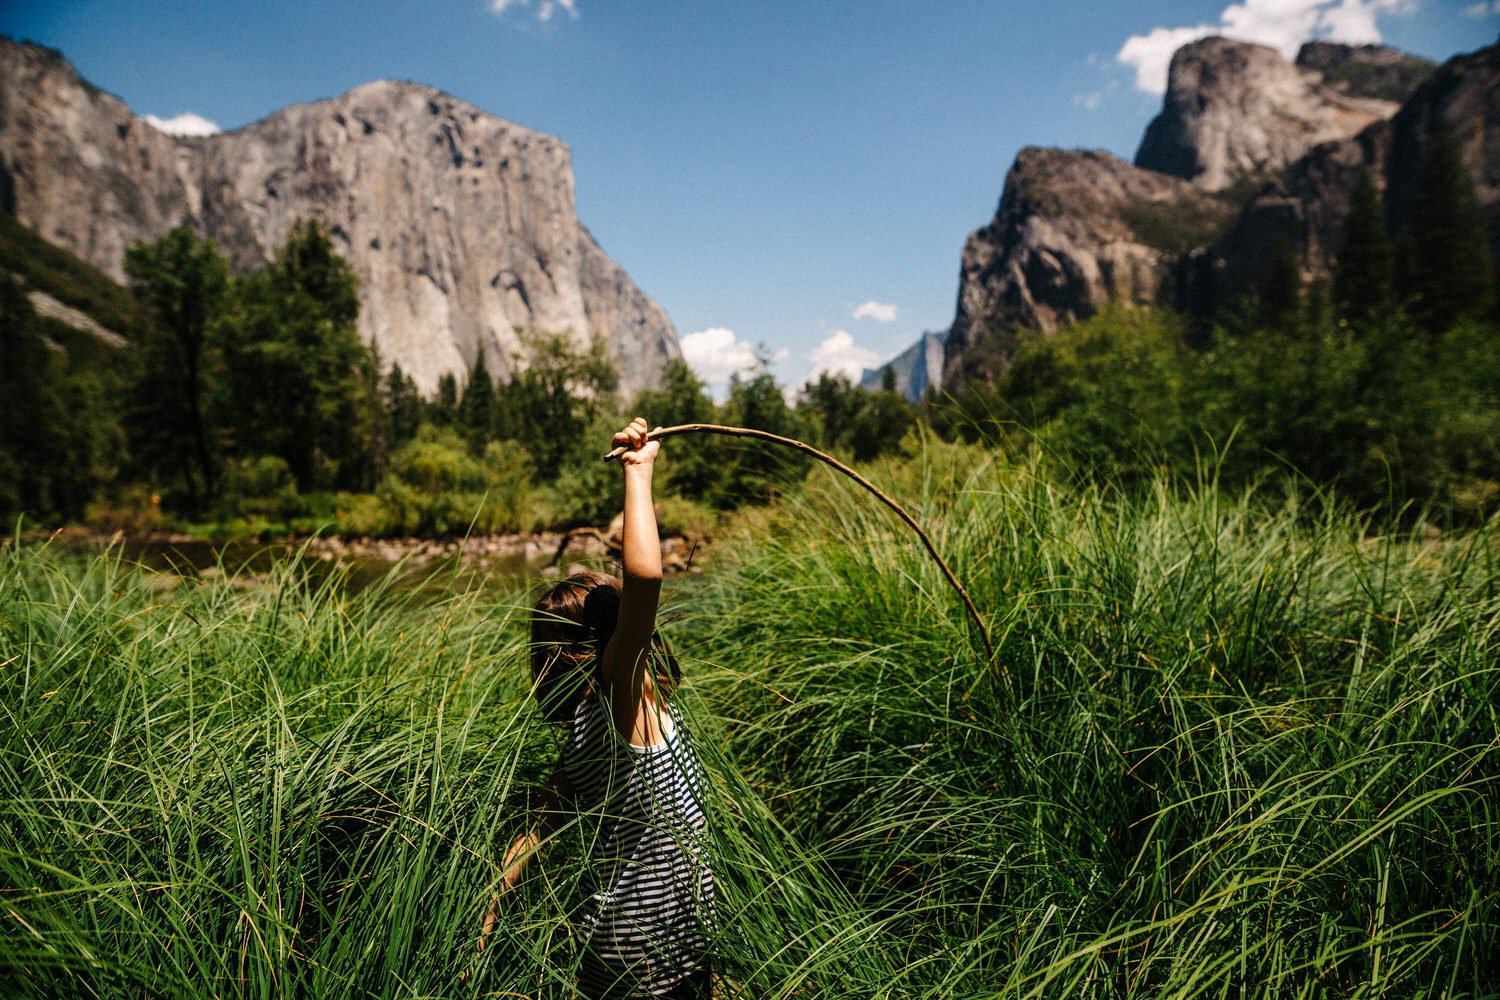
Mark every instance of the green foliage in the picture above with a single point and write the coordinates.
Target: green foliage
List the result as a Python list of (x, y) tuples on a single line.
[(752, 473), (259, 486), (849, 419), (1178, 226), (1106, 393), (882, 421), (443, 410), (479, 407), (1281, 291), (690, 470), (430, 483), (72, 281), (832, 404), (58, 440), (587, 491), (181, 283), (1230, 739), (1288, 394), (560, 393), (1363, 280), (1449, 267), (292, 376), (1369, 411), (434, 486), (403, 406), (1385, 82)]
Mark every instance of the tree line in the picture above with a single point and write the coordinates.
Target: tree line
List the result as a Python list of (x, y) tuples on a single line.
[(250, 402), (1382, 384)]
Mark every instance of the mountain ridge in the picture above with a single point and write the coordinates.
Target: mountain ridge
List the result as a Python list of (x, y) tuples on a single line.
[(461, 225), (1044, 262)]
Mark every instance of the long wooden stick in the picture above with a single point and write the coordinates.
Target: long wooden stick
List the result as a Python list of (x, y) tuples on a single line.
[(806, 449)]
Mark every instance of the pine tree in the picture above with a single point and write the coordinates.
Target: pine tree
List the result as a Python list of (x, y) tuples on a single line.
[(182, 282), (403, 407), (294, 370), (695, 469), (1363, 281), (478, 406), (443, 410), (1450, 262), (833, 402), (1281, 292)]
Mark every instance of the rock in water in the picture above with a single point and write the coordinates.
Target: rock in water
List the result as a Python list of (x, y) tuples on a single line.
[(461, 226)]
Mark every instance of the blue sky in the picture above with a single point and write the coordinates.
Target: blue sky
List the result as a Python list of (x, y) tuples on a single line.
[(763, 169)]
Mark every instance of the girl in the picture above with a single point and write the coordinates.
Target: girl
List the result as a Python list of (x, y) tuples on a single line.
[(627, 769)]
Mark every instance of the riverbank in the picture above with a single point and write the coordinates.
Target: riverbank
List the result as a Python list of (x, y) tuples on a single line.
[(543, 553)]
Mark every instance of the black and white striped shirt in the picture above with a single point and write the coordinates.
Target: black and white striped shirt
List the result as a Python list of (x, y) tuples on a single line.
[(649, 891)]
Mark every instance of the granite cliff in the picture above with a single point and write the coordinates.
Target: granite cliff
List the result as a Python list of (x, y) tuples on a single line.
[(1238, 112), (917, 369), (1306, 205), (1073, 229), (461, 226), (1237, 160)]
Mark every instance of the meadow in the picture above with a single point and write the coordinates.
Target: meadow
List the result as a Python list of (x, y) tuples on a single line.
[(1233, 743)]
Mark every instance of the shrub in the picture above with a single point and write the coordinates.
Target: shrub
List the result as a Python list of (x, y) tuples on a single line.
[(259, 486)]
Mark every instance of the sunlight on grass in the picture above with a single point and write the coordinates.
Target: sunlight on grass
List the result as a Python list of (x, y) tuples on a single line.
[(1241, 745)]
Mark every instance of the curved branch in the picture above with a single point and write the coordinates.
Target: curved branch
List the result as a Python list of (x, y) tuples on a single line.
[(806, 449)]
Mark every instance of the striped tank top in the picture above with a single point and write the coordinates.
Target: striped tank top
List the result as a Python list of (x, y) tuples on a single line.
[(648, 889)]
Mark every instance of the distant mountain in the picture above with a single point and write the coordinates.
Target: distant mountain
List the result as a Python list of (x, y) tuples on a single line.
[(917, 368), (1306, 205), (1249, 150), (461, 226), (1235, 111)]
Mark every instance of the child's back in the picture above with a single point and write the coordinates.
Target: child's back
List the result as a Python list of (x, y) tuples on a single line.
[(649, 891), (627, 770)]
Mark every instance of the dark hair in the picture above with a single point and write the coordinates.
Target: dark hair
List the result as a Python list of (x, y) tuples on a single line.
[(570, 625)]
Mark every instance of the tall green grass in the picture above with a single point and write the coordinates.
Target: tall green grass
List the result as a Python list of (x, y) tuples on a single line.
[(1232, 746)]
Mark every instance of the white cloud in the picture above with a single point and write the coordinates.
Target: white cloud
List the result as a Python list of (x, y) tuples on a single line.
[(1089, 101), (881, 312), (1282, 24), (1151, 54), (186, 123), (716, 354), (544, 10), (1483, 9), (839, 353)]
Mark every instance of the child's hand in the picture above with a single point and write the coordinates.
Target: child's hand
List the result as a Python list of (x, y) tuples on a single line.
[(638, 451)]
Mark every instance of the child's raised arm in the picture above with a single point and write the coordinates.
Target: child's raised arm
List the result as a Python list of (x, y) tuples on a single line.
[(624, 667)]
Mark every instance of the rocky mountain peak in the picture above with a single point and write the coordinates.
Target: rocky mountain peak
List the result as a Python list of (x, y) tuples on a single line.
[(1237, 112), (1074, 228), (461, 226), (1248, 153), (1372, 71)]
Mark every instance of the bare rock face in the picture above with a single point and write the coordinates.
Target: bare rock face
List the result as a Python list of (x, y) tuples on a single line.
[(917, 369), (76, 166), (1236, 111), (1372, 71), (636, 329), (462, 227), (1073, 229), (1307, 205)]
